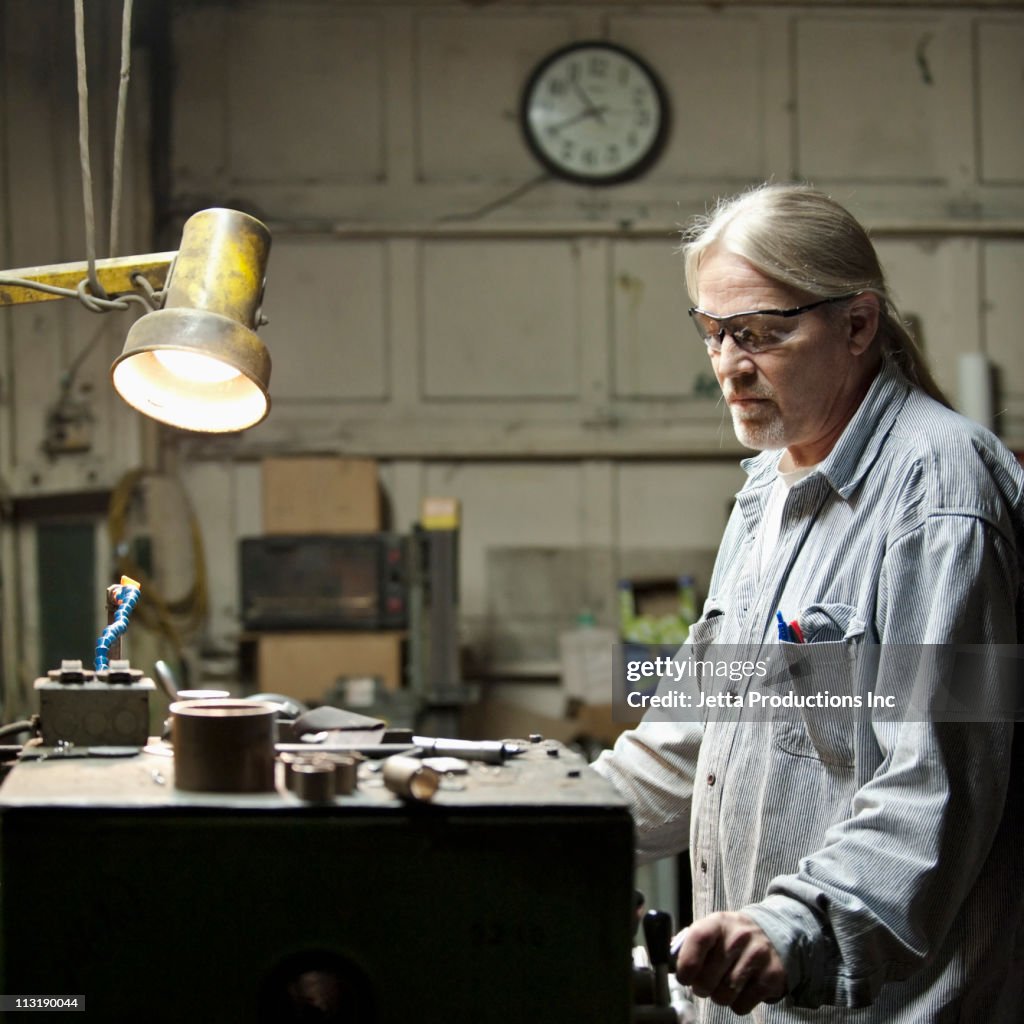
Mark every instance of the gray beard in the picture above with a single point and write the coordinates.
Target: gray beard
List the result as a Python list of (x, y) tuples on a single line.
[(760, 435)]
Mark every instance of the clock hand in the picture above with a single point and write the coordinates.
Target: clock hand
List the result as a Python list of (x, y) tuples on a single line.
[(596, 111)]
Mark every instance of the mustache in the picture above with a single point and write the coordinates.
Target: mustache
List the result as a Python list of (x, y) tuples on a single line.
[(758, 391)]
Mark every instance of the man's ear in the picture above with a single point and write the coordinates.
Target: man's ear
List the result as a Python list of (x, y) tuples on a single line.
[(864, 312)]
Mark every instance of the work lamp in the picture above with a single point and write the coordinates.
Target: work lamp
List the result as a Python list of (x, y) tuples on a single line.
[(195, 361)]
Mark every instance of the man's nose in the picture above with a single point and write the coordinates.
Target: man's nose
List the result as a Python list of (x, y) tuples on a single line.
[(732, 361)]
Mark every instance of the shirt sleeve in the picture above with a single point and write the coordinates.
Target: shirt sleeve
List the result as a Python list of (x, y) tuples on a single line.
[(882, 893), (653, 768)]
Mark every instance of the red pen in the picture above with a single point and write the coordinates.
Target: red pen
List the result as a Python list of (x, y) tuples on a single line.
[(796, 632)]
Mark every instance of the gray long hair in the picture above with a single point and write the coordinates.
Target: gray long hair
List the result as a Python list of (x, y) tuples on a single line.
[(801, 237)]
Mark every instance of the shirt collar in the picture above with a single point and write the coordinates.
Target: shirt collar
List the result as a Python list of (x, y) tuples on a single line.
[(858, 445)]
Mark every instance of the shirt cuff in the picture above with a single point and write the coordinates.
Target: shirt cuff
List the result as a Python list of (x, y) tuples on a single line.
[(808, 952)]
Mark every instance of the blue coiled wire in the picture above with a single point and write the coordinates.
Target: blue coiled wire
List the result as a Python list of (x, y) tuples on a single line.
[(127, 598)]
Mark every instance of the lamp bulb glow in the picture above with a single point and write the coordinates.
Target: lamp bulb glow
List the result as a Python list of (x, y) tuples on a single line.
[(195, 367)]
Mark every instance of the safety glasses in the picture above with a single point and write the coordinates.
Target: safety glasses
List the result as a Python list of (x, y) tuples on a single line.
[(754, 331)]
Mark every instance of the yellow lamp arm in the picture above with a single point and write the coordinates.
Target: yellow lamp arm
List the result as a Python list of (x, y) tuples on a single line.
[(114, 274)]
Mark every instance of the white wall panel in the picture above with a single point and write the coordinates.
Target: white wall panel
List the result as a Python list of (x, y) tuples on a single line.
[(500, 320), (871, 98), (671, 517), (657, 352), (327, 304), (506, 505), (227, 501), (198, 141), (211, 489), (1002, 315), (714, 70), (999, 54), (305, 94), (680, 505), (935, 286), (469, 77), (39, 362)]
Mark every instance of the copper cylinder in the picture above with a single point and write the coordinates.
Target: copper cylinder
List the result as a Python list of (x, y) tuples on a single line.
[(346, 771), (313, 781), (223, 746), (410, 778), (346, 775), (288, 761)]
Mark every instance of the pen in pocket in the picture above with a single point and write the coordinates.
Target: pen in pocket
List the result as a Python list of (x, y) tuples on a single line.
[(788, 633)]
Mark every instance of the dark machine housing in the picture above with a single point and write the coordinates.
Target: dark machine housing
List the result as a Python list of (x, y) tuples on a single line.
[(328, 581)]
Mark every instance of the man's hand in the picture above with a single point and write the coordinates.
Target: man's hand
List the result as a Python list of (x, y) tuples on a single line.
[(727, 957)]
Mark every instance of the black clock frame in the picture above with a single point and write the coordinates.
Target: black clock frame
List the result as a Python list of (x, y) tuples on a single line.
[(630, 173)]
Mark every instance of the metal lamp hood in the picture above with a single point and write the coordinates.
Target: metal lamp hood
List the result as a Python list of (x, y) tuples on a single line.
[(197, 363)]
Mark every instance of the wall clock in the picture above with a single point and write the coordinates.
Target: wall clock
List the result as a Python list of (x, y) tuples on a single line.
[(594, 113)]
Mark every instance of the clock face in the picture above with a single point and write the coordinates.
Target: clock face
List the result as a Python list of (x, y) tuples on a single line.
[(594, 113)]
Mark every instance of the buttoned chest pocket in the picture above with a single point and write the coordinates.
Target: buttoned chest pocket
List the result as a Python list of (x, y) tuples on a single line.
[(821, 675), (704, 632)]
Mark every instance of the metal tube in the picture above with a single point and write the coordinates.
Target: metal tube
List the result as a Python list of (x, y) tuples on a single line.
[(409, 778)]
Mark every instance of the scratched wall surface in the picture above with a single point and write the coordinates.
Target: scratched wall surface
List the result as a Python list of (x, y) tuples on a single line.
[(437, 303)]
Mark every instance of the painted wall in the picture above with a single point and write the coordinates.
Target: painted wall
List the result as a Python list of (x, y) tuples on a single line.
[(483, 330)]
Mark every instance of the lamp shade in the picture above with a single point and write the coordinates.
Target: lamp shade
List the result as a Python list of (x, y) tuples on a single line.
[(198, 363)]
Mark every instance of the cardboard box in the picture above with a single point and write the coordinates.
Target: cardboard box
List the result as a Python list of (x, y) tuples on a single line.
[(308, 666), (320, 494)]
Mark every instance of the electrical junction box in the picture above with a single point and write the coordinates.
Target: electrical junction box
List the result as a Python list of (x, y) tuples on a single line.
[(92, 709), (507, 897)]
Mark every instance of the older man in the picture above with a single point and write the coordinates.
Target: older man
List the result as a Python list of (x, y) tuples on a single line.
[(865, 869)]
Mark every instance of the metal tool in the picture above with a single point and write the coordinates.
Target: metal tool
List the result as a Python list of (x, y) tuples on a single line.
[(491, 751), (658, 936), (164, 675)]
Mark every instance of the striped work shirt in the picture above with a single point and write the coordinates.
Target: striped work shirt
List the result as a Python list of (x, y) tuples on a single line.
[(885, 861)]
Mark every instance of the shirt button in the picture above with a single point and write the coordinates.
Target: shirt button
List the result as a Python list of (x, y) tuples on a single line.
[(711, 778), (703, 866)]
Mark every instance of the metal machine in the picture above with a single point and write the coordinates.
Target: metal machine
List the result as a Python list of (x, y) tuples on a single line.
[(505, 895), (269, 864)]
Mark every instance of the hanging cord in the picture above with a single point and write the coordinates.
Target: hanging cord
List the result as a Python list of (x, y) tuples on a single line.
[(122, 102), (83, 152), (67, 379), (172, 619), (127, 598), (90, 292), (495, 204)]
